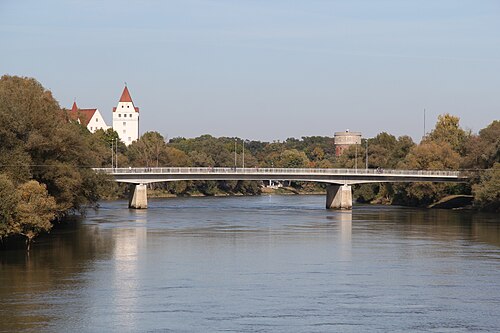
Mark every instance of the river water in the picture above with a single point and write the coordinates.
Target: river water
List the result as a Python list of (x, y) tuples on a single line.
[(257, 264)]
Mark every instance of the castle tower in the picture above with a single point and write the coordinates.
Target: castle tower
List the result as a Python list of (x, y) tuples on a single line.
[(126, 118)]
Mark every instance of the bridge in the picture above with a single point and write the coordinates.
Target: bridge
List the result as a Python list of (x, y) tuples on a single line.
[(339, 193)]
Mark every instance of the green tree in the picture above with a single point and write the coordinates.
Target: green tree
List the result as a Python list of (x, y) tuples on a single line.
[(39, 143), (291, 158), (448, 130), (150, 150)]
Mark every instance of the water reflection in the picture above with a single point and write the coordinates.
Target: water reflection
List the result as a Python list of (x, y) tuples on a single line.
[(260, 263), (345, 234), (51, 273), (129, 245)]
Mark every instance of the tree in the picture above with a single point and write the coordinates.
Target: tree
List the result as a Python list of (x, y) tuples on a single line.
[(483, 150), (148, 151), (487, 191), (448, 130), (35, 211), (431, 155), (8, 205), (291, 158), (40, 147)]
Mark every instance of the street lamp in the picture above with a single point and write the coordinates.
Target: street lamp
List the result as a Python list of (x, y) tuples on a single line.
[(116, 153), (112, 157), (235, 140), (366, 158), (243, 159), (356, 158)]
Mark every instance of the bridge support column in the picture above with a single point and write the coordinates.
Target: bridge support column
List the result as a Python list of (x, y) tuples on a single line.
[(138, 198), (338, 197)]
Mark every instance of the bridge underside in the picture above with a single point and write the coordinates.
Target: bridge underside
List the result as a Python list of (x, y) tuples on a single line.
[(337, 179)]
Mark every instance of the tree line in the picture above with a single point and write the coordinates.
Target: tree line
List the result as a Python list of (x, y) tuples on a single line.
[(46, 161)]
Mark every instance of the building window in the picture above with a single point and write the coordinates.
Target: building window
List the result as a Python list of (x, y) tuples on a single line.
[(130, 115), (91, 128), (119, 115), (129, 138), (124, 131), (124, 123), (96, 119), (122, 106), (128, 106)]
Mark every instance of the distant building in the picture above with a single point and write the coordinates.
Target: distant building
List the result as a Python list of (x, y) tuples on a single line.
[(126, 118), (90, 118), (344, 140)]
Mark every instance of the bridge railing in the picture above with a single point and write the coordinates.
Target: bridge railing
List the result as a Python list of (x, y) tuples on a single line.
[(277, 171)]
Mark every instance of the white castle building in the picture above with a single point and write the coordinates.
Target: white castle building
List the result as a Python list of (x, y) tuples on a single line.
[(126, 118), (90, 118)]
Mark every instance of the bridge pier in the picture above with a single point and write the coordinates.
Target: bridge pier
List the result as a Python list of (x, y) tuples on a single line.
[(338, 197), (138, 197)]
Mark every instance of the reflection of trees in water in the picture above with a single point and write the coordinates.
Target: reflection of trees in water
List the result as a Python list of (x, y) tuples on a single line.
[(441, 224), (46, 272)]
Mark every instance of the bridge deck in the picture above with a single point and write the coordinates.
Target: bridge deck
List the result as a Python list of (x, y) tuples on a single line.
[(333, 176)]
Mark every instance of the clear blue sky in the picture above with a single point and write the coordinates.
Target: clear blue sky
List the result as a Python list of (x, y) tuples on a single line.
[(264, 69)]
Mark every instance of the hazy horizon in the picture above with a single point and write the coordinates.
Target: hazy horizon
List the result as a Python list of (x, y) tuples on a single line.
[(264, 70)]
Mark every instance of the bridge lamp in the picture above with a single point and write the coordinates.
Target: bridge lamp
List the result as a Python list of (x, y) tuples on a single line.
[(366, 157), (244, 153)]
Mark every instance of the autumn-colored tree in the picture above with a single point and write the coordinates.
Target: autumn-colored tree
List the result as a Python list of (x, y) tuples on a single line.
[(431, 155), (8, 204), (483, 150), (487, 191), (35, 211), (448, 130)]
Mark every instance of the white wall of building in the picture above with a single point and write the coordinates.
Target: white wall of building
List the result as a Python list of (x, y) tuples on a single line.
[(126, 122), (97, 122)]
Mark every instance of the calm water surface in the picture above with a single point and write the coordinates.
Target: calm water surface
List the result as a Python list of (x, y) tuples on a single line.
[(257, 264)]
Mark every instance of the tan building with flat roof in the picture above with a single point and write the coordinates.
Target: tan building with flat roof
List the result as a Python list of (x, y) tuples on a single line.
[(344, 140)]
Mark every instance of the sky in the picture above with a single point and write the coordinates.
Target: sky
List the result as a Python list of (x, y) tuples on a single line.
[(264, 69)]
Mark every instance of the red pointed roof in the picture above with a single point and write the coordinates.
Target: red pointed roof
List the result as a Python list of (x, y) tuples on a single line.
[(125, 96), (81, 116)]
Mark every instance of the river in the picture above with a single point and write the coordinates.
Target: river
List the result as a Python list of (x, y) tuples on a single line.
[(257, 264)]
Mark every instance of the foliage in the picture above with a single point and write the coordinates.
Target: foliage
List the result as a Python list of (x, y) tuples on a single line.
[(483, 150), (431, 155), (448, 130), (45, 157), (8, 204), (487, 191), (27, 210), (35, 210)]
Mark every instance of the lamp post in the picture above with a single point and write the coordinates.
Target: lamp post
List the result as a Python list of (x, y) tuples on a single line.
[(356, 158), (112, 155), (366, 158), (235, 139), (243, 159), (116, 153)]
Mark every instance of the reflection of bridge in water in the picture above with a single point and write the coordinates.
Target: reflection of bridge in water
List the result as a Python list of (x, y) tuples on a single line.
[(339, 194)]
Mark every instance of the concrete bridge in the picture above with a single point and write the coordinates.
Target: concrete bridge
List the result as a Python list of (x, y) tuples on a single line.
[(339, 194)]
